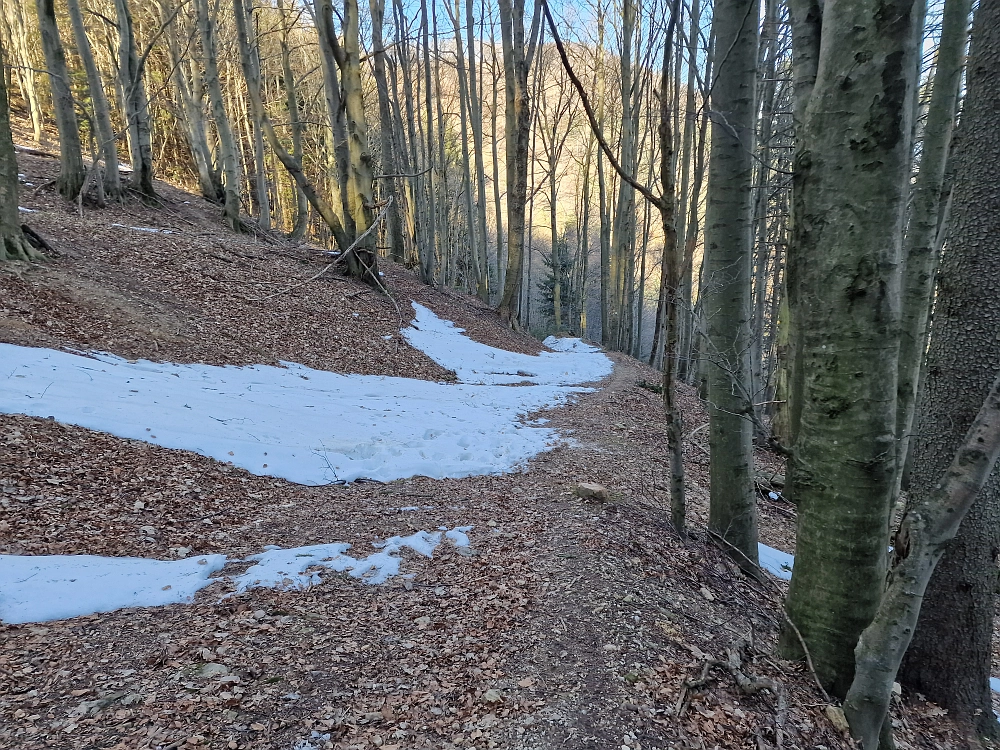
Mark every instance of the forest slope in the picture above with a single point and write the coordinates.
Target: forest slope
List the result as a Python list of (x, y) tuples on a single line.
[(565, 625)]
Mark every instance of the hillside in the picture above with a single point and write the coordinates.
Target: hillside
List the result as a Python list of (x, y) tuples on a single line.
[(563, 624)]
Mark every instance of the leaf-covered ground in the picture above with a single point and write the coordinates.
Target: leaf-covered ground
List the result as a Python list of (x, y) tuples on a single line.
[(566, 625)]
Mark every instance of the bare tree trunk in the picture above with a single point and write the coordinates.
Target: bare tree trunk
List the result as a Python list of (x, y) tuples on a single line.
[(25, 70), (227, 143), (517, 62), (728, 269), (295, 121), (13, 245), (394, 225), (71, 170), (191, 101), (131, 72), (844, 299), (919, 254), (476, 124), (107, 147), (963, 356)]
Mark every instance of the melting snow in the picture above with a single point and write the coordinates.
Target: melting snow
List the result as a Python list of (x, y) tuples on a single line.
[(310, 426), (36, 588), (575, 362), (39, 588), (775, 562)]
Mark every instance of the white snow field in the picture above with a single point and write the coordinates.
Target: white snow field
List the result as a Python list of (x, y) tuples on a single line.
[(40, 588), (312, 426)]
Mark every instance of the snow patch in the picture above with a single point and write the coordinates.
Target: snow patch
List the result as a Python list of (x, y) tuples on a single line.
[(308, 426), (775, 562), (24, 210), (442, 341), (37, 588), (148, 230)]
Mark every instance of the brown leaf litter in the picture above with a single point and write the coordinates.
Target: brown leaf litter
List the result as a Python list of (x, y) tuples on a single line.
[(568, 624)]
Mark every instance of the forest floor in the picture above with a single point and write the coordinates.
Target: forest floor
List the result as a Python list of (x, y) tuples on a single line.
[(566, 624)]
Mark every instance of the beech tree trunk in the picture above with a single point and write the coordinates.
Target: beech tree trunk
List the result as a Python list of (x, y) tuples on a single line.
[(727, 278), (106, 142), (854, 86), (227, 142), (919, 245), (963, 357), (13, 245), (71, 169), (131, 73), (517, 60)]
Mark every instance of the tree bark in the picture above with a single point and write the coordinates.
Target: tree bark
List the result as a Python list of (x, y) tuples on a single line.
[(727, 270), (963, 357), (851, 173), (13, 245), (227, 142), (517, 62), (132, 74), (107, 143), (71, 169), (919, 244)]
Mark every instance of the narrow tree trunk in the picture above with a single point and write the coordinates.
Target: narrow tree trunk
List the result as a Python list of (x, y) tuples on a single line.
[(107, 146), (394, 224), (517, 62), (71, 169), (301, 221), (919, 253), (227, 142), (25, 71), (476, 124), (131, 73)]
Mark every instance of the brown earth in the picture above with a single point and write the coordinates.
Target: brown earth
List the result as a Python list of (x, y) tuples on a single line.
[(569, 625)]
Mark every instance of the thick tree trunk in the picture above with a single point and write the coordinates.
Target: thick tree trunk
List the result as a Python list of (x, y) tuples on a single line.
[(727, 270), (851, 173), (964, 356), (71, 169), (13, 245)]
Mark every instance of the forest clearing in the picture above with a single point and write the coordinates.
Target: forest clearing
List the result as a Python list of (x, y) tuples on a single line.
[(469, 376)]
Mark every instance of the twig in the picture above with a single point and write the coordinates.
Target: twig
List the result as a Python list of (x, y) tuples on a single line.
[(784, 614)]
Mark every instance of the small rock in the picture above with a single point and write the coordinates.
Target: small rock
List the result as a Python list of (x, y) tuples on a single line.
[(836, 716), (213, 670), (147, 530), (492, 696), (707, 594), (590, 491)]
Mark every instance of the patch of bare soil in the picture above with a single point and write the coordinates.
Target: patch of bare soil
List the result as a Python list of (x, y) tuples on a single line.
[(566, 625)]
